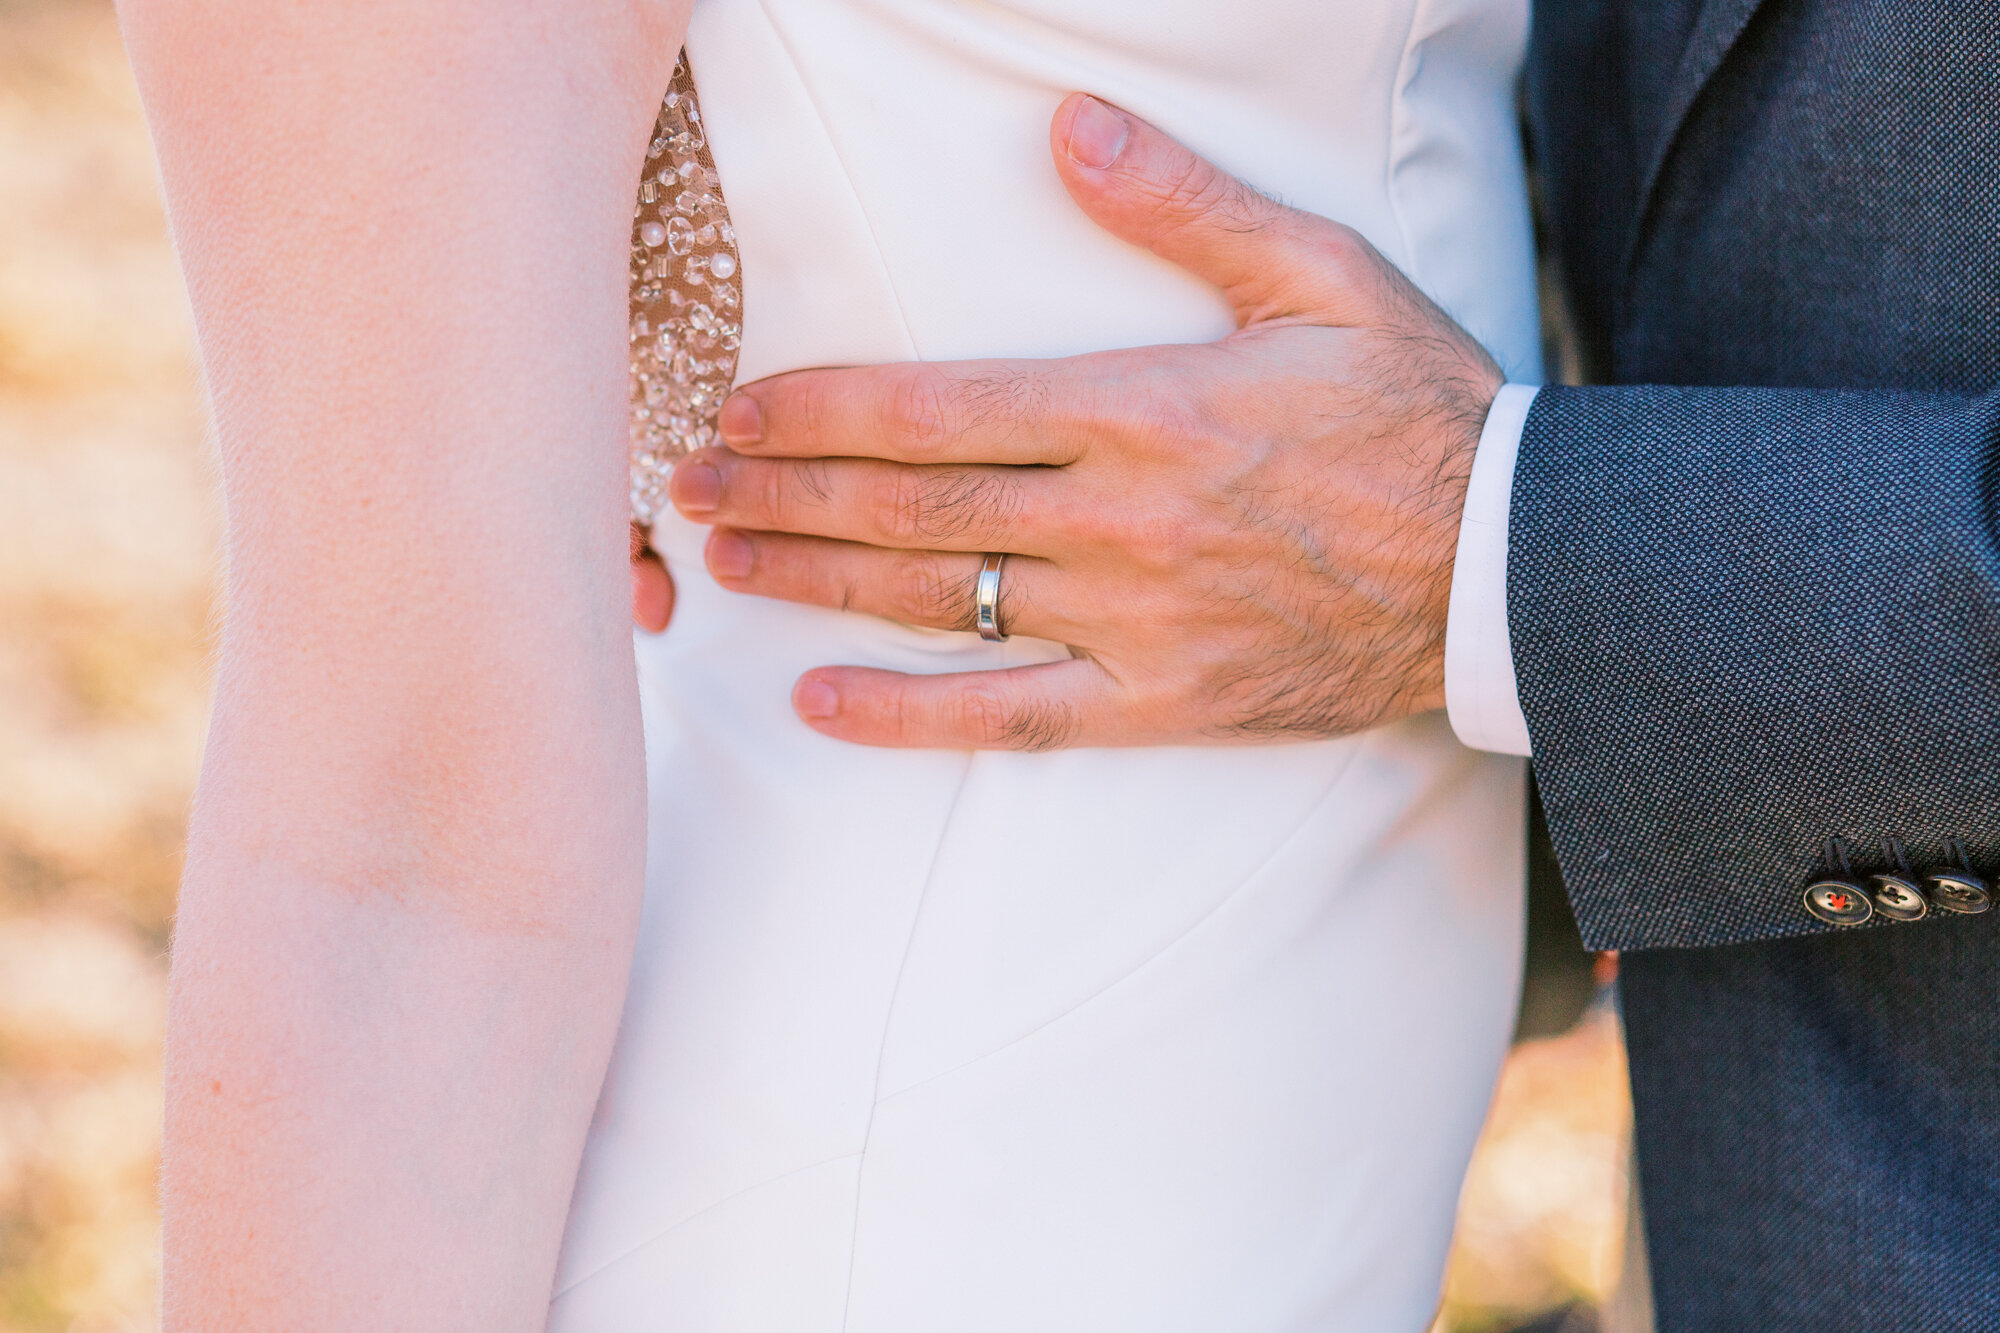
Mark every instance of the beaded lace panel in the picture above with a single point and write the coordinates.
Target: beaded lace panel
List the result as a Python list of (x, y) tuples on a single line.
[(687, 299)]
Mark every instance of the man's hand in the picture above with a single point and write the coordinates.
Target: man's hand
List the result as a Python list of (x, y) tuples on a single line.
[(1247, 539)]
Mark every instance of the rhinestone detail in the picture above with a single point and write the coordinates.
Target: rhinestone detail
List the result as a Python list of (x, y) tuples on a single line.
[(686, 299)]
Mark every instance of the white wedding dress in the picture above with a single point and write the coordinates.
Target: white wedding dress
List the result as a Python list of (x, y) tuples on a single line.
[(1102, 1041)]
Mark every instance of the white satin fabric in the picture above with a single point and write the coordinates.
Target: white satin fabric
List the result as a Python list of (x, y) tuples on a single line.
[(1154, 1040)]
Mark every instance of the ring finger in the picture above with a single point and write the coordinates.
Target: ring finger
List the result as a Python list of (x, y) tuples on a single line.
[(936, 589)]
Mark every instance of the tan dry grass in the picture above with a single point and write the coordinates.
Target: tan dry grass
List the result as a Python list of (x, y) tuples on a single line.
[(1541, 1221), (107, 538)]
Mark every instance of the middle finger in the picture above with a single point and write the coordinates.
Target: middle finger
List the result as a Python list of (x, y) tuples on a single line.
[(931, 508)]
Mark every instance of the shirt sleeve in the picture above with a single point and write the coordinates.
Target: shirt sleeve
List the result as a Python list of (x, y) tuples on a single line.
[(1480, 693)]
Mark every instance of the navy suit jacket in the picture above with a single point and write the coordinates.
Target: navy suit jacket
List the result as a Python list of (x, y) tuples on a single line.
[(1754, 594)]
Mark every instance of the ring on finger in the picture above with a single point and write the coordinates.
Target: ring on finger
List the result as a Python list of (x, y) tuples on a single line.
[(986, 598)]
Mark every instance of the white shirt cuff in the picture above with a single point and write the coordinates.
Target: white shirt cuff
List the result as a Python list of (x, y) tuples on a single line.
[(1480, 694)]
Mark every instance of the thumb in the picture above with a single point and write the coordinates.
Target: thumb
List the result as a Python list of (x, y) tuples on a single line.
[(1269, 260)]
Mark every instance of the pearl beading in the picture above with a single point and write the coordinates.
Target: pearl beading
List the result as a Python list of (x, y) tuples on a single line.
[(686, 299)]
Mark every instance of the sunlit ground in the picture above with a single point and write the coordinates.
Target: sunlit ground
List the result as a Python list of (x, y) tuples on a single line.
[(107, 535)]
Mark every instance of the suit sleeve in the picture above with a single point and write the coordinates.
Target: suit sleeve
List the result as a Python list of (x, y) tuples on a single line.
[(1745, 621)]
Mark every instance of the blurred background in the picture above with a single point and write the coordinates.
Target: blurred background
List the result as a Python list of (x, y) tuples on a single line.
[(108, 529)]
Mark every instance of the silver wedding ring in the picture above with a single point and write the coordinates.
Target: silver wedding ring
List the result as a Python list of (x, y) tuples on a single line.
[(986, 598)]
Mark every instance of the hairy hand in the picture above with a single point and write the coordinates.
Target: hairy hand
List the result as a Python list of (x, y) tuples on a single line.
[(1251, 538)]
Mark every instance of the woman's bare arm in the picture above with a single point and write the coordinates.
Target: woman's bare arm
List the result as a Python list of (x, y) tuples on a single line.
[(415, 865)]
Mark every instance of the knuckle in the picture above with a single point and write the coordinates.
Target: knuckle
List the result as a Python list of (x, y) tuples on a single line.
[(920, 506), (755, 492), (811, 407), (988, 717), (1200, 192), (1341, 241), (982, 713), (897, 499), (779, 568), (1160, 540), (899, 715), (817, 585), (1002, 394), (1195, 186), (1347, 253), (1158, 400), (952, 502), (933, 593), (913, 412), (1043, 726), (1176, 424)]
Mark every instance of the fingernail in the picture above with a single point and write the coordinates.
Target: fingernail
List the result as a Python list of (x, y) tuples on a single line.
[(815, 700), (1097, 135), (730, 554), (741, 421), (696, 487)]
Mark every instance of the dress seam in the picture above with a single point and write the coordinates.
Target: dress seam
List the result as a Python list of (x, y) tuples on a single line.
[(888, 1022), (1393, 156), (1334, 786), (867, 219), (695, 1216)]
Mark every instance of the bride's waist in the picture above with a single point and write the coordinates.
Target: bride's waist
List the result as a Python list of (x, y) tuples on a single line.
[(894, 196)]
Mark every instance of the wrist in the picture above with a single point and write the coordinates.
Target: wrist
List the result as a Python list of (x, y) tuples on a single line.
[(1470, 405)]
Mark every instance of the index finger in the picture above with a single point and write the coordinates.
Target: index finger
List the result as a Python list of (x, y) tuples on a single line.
[(1003, 412)]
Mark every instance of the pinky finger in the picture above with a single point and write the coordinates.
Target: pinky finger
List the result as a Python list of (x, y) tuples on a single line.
[(1046, 707)]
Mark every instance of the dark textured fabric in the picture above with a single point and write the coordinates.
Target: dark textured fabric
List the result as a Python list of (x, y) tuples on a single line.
[(1819, 1131), (1760, 618), (1749, 618), (1558, 975)]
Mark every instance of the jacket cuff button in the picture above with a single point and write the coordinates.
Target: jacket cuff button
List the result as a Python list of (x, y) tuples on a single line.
[(1838, 902), (1835, 897), (1956, 888), (1895, 890)]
